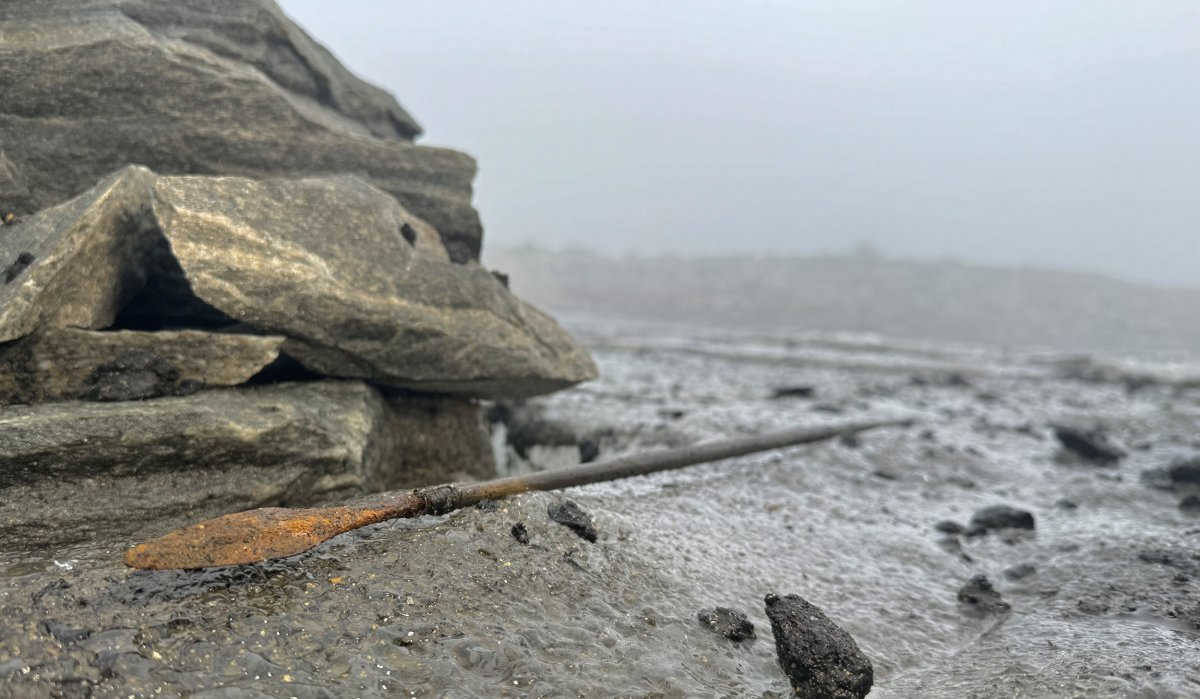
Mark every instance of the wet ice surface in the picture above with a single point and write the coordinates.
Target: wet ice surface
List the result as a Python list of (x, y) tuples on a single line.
[(456, 606)]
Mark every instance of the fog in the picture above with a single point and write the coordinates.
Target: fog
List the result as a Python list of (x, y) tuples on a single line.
[(1017, 132)]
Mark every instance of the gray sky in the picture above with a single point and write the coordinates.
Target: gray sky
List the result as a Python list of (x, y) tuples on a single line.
[(1054, 133)]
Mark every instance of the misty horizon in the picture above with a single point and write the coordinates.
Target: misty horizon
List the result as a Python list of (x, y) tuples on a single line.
[(1014, 134)]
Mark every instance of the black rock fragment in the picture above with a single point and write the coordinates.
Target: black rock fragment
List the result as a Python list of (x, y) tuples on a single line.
[(819, 657), (520, 533), (1185, 472), (134, 375), (949, 526), (570, 515), (793, 392), (999, 517), (1020, 571), (1090, 446), (14, 270), (979, 595), (730, 623)]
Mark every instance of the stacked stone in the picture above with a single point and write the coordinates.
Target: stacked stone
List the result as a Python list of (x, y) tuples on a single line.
[(229, 278)]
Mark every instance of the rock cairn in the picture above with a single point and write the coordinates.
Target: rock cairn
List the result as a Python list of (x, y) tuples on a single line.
[(229, 278)]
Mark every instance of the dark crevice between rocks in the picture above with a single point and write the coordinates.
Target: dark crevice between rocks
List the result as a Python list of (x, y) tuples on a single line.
[(285, 368), (166, 300)]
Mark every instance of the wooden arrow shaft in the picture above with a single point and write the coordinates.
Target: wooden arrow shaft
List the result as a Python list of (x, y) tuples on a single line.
[(276, 532)]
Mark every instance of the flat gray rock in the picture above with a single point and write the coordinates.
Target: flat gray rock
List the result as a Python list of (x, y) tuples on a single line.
[(63, 363), (357, 285), (206, 87), (99, 469)]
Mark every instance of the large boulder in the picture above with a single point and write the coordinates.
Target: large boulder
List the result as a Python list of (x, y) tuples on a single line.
[(359, 286), (92, 468), (204, 87)]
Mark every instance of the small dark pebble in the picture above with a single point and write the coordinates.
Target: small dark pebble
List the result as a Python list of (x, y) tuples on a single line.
[(520, 533), (570, 515), (589, 449), (979, 595), (1185, 472), (1065, 504), (793, 392), (1091, 606), (488, 505), (949, 526), (730, 623), (850, 441), (1020, 571), (1190, 504), (1091, 446), (14, 270), (818, 656), (999, 517)]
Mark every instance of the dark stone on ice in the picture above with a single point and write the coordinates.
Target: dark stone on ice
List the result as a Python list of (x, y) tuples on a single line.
[(520, 533), (999, 517), (14, 270), (570, 515), (979, 595), (793, 392), (1090, 446), (949, 526), (134, 375), (1019, 571), (730, 623), (819, 657), (1187, 471), (1065, 504)]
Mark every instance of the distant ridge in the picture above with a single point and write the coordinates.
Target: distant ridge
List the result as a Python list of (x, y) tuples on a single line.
[(941, 300)]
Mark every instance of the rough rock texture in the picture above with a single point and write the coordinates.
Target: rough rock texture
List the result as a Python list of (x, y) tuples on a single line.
[(62, 363), (819, 657), (80, 465), (329, 264), (203, 87), (980, 597), (572, 516), (730, 623), (88, 257), (996, 517), (359, 286)]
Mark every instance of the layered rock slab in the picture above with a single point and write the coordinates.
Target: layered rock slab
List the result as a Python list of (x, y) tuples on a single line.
[(344, 272), (63, 363), (359, 286), (204, 87), (106, 468)]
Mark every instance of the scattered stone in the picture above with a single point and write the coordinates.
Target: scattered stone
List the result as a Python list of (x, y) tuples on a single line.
[(949, 526), (1065, 504), (1020, 571), (979, 595), (999, 517), (821, 660), (730, 623), (851, 440), (1090, 446), (570, 515), (1185, 472), (793, 392), (520, 533)]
